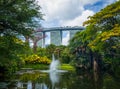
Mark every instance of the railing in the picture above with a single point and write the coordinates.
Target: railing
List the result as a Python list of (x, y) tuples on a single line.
[(59, 28)]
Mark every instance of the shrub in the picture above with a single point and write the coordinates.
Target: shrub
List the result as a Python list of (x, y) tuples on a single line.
[(35, 59)]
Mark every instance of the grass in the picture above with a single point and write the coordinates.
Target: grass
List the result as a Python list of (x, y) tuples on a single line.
[(67, 67), (45, 67)]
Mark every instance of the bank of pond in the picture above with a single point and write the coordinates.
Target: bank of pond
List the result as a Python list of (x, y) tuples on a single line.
[(68, 77)]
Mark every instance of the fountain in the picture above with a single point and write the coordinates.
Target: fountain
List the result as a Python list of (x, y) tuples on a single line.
[(54, 64)]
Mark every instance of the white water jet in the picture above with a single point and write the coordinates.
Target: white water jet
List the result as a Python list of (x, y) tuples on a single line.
[(54, 64)]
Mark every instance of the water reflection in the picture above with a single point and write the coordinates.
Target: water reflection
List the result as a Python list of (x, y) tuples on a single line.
[(19, 84), (55, 78), (29, 83), (40, 86)]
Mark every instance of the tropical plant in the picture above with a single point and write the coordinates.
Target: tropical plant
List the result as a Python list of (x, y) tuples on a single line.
[(101, 39), (17, 19), (106, 26), (50, 50), (35, 59)]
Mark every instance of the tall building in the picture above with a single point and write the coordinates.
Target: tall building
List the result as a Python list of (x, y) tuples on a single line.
[(55, 38)]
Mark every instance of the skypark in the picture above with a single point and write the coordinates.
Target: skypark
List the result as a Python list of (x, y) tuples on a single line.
[(59, 29), (56, 34)]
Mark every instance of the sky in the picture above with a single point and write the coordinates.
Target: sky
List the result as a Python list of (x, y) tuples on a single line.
[(59, 13)]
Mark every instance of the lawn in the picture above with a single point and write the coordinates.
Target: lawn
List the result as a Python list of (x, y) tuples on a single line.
[(46, 67)]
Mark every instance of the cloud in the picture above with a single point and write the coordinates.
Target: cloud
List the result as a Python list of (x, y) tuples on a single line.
[(62, 10), (78, 21), (68, 12)]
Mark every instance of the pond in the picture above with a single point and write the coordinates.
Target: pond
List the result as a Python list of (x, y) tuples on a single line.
[(36, 79)]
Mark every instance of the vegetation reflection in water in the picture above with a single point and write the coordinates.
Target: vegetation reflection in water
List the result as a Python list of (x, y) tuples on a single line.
[(64, 80)]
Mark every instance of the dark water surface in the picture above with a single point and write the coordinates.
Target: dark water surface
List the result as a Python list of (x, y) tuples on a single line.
[(59, 80)]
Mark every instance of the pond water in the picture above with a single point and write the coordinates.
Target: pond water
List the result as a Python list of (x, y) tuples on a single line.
[(36, 79)]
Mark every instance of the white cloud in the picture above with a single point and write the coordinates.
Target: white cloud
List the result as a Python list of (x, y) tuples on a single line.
[(78, 21), (60, 9), (65, 39), (63, 10)]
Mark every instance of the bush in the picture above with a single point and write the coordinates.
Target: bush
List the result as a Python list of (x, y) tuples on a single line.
[(35, 59)]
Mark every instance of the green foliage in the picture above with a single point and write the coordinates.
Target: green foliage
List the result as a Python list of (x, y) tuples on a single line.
[(50, 50), (9, 56), (16, 15), (110, 82), (17, 18), (106, 26), (101, 39), (65, 55), (78, 47), (41, 51), (61, 52), (35, 59)]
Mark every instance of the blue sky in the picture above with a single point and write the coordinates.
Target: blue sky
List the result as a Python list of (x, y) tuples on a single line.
[(69, 13)]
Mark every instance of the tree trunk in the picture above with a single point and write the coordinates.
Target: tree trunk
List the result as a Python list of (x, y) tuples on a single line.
[(91, 60), (34, 47), (95, 65)]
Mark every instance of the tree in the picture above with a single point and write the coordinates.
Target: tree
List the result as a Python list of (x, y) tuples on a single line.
[(78, 47), (36, 37), (17, 18), (50, 50), (106, 38), (65, 55), (106, 24), (101, 39)]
